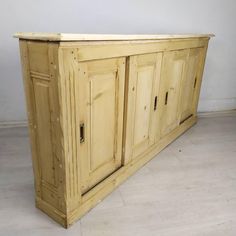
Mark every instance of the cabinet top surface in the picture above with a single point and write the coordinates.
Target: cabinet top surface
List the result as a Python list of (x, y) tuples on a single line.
[(103, 37)]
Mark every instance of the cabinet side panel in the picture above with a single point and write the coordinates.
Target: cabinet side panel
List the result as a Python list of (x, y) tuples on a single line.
[(39, 61), (28, 87), (43, 119)]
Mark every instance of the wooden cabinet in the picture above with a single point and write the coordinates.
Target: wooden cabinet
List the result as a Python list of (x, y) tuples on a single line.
[(101, 106)]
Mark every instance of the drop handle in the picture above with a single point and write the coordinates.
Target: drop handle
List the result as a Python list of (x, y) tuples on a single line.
[(155, 103), (81, 130), (166, 98)]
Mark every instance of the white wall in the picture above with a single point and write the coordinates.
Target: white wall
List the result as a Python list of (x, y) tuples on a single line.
[(127, 17)]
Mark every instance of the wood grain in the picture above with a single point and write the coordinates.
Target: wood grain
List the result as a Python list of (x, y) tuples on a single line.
[(99, 110)]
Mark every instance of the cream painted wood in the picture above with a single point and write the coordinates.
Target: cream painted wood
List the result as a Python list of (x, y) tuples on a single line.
[(99, 110), (40, 80)]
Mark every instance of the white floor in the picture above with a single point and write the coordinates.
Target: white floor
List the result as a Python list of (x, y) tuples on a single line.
[(188, 189)]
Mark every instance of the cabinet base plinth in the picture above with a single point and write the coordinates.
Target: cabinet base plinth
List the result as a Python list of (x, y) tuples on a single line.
[(51, 211)]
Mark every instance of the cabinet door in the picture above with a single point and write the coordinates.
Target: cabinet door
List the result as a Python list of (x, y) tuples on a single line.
[(100, 109), (143, 86), (173, 71), (189, 82)]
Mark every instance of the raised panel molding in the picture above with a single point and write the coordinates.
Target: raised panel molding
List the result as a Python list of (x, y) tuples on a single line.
[(173, 72), (144, 74), (101, 101)]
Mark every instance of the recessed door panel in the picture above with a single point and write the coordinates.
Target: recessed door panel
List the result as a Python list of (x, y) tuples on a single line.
[(143, 85), (143, 103), (173, 71), (101, 94), (44, 135), (103, 109)]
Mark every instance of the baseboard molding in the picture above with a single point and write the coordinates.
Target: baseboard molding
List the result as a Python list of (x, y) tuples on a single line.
[(13, 124), (51, 211), (220, 104), (217, 113)]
